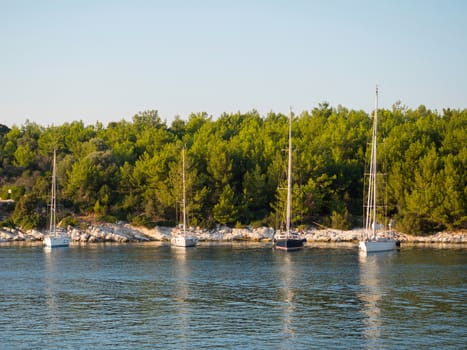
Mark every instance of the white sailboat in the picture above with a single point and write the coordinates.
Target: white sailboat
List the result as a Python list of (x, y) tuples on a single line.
[(372, 240), (55, 237), (183, 238), (289, 240)]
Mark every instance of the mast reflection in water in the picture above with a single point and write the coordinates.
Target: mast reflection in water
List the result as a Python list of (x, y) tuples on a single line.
[(371, 293)]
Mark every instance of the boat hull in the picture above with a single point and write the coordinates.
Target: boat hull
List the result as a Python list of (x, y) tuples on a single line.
[(378, 245), (289, 244), (56, 241), (181, 241)]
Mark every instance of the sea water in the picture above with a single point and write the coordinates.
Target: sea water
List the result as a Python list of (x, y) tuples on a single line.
[(231, 296)]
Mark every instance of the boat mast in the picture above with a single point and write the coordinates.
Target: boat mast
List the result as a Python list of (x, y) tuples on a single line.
[(371, 204), (184, 191), (53, 204), (289, 178)]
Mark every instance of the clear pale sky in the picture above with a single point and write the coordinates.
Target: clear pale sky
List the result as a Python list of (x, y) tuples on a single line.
[(105, 61)]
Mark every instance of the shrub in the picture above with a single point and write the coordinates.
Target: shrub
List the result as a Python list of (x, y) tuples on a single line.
[(341, 221)]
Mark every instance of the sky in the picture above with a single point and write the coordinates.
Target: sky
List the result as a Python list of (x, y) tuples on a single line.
[(106, 60)]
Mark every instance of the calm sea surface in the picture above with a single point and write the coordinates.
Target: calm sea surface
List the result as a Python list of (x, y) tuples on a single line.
[(231, 296)]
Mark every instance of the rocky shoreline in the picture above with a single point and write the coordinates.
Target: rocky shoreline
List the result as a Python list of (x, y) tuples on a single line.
[(123, 233)]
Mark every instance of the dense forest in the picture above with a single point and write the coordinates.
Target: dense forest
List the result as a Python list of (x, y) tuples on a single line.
[(236, 169)]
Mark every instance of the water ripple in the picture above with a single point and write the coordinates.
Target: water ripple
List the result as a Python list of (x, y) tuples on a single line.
[(235, 297)]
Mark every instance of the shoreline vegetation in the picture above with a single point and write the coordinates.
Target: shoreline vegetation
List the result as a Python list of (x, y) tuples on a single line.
[(130, 171), (125, 233)]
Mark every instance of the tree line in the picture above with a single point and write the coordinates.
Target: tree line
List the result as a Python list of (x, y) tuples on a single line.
[(236, 168)]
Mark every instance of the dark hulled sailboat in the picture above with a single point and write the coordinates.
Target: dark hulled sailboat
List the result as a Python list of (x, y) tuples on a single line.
[(289, 240)]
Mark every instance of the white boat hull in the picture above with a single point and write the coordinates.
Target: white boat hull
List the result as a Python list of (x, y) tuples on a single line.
[(377, 245), (181, 241), (56, 241)]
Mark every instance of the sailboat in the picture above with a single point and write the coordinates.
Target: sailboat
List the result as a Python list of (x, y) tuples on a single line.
[(183, 238), (289, 240), (55, 238), (372, 240)]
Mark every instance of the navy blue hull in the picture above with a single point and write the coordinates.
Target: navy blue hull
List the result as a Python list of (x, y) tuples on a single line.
[(289, 244)]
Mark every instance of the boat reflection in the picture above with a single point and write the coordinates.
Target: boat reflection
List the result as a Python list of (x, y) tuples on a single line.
[(181, 273), (181, 294), (51, 286), (287, 276), (371, 294)]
